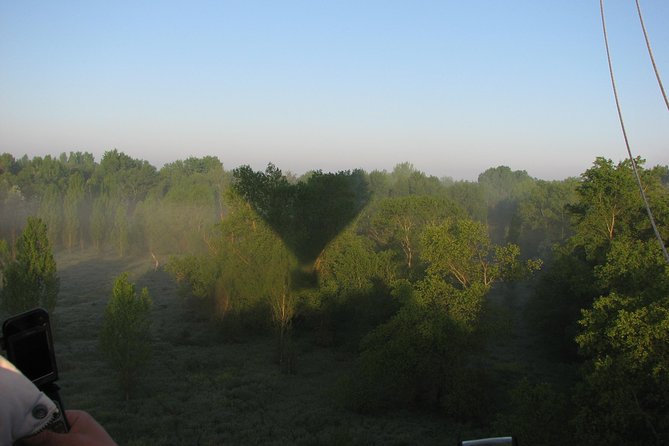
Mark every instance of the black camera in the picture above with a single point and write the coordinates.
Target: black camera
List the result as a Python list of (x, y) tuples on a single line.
[(29, 343)]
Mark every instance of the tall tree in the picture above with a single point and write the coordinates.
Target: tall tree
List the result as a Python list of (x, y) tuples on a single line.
[(350, 265), (503, 188), (124, 178), (419, 356), (51, 212), (607, 207), (544, 213), (306, 215), (72, 204), (100, 221), (125, 335), (624, 397), (397, 223), (31, 280), (15, 210), (469, 196)]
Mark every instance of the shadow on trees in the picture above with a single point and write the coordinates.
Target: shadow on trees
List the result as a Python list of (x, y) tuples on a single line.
[(306, 215)]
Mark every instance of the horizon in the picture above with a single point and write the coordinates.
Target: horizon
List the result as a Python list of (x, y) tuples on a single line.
[(262, 168), (451, 88)]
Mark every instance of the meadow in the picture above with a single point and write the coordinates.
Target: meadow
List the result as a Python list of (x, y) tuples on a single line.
[(199, 389)]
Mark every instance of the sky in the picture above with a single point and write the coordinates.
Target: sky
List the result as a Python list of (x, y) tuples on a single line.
[(453, 87)]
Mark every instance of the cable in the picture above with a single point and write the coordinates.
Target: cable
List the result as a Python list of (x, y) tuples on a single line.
[(627, 144), (652, 58)]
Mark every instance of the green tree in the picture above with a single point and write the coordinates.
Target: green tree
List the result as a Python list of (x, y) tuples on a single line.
[(4, 261), (544, 214), (125, 335), (624, 397), (36, 175), (31, 280), (100, 221), (349, 265), (537, 415), (503, 184), (324, 205), (420, 356), (248, 270), (503, 189), (16, 209), (608, 207), (470, 197), (396, 223), (460, 252), (120, 229), (256, 267), (179, 216), (72, 204), (124, 178), (306, 215), (51, 212)]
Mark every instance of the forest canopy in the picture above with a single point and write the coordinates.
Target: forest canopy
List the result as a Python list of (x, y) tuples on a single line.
[(398, 269)]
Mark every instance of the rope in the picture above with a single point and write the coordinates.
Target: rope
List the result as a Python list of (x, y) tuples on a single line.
[(652, 58), (627, 144)]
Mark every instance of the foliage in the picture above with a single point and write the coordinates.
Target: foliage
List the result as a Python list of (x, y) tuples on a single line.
[(247, 280), (562, 289), (404, 180), (420, 356), (125, 334), (354, 286), (625, 335), (536, 415), (4, 261), (396, 223), (503, 189), (72, 211), (120, 229), (469, 196), (100, 221), (31, 280), (608, 211), (607, 288), (306, 215), (123, 178), (51, 212), (349, 264), (610, 206), (460, 252), (544, 214), (502, 184), (196, 274), (417, 358), (333, 257)]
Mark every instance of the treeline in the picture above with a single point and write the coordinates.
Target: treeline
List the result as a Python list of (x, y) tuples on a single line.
[(129, 206), (396, 266), (120, 203)]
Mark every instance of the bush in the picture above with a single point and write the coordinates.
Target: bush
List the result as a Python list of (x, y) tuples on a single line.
[(538, 415), (125, 336), (417, 359), (31, 280)]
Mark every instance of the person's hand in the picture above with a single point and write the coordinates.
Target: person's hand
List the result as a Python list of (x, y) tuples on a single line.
[(84, 431)]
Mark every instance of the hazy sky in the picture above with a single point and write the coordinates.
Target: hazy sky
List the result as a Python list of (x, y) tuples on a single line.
[(453, 87)]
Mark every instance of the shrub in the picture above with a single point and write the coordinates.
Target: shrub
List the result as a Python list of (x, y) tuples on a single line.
[(125, 335), (31, 280)]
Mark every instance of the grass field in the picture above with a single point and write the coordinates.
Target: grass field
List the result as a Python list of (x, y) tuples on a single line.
[(199, 390)]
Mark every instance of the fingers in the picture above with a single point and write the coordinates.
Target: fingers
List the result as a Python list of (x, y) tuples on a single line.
[(84, 431)]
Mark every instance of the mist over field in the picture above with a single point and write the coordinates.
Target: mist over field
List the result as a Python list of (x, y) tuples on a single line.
[(350, 307)]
